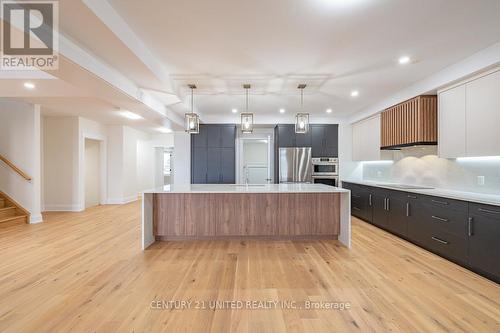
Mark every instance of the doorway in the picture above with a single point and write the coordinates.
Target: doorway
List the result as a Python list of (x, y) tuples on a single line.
[(256, 157), (92, 173)]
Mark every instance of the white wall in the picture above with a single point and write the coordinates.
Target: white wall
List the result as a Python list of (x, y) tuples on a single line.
[(424, 167), (60, 163), (92, 173), (182, 158), (20, 143)]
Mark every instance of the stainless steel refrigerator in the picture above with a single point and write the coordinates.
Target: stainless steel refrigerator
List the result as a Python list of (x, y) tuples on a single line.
[(295, 165)]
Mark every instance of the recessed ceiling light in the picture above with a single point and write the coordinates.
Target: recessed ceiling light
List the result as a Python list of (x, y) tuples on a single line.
[(29, 85), (282, 110), (329, 111), (130, 115), (234, 110), (164, 130), (404, 60), (354, 93)]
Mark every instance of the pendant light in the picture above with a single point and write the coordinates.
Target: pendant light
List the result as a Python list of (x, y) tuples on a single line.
[(301, 119), (192, 121), (247, 117)]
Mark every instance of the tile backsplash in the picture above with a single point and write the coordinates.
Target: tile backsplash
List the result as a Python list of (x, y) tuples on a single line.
[(422, 166)]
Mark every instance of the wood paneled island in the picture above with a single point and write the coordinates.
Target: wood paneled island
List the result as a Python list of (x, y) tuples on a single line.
[(274, 211)]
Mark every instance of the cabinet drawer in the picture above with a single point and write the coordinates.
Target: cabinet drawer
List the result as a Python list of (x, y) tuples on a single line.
[(448, 220), (447, 204), (447, 245), (485, 210)]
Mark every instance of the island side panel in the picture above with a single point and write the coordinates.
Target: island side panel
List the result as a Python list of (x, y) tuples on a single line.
[(325, 218), (169, 215), (345, 219), (180, 216), (200, 214), (309, 214), (147, 229), (246, 214)]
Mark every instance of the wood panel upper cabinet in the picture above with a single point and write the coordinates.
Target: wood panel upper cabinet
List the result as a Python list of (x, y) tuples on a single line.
[(410, 123), (469, 115), (452, 123)]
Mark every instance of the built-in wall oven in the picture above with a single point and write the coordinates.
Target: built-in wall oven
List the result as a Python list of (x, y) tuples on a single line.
[(325, 170)]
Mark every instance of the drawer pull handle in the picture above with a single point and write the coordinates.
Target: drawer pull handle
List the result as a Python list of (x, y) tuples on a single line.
[(355, 196), (488, 211), (370, 200), (471, 232), (388, 204), (440, 219), (440, 241), (441, 202), (412, 197), (407, 209), (356, 208)]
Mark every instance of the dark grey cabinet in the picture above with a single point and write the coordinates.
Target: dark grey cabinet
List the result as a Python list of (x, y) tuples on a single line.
[(324, 140), (466, 233), (199, 165), (213, 154), (303, 140), (389, 211), (483, 229), (361, 202), (286, 136)]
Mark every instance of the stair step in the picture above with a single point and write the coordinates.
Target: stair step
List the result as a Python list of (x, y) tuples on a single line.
[(14, 219), (7, 212)]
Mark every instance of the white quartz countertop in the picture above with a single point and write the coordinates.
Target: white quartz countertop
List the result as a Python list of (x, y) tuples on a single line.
[(237, 188), (488, 199)]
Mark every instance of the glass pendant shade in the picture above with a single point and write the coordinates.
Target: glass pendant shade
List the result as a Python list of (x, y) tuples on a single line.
[(192, 123), (247, 123), (302, 123), (191, 120)]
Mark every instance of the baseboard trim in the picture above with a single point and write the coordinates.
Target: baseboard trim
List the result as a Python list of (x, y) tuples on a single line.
[(62, 208), (35, 219), (122, 201)]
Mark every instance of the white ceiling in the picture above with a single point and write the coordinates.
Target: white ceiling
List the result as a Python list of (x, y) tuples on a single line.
[(334, 46)]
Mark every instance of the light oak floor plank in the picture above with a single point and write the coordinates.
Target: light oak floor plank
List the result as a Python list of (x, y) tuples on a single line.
[(85, 272)]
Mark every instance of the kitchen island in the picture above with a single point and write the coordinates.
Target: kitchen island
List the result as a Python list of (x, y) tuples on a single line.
[(274, 211)]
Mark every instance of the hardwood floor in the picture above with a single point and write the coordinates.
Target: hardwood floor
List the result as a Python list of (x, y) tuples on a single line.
[(85, 272)]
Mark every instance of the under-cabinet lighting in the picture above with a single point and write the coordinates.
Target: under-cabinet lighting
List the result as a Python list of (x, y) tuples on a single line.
[(479, 159), (377, 162)]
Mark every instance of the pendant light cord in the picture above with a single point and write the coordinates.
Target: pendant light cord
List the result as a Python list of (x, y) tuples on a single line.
[(192, 100), (302, 99), (247, 98)]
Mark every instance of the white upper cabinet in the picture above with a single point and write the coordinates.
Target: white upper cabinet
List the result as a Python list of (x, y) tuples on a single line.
[(366, 140), (483, 116), (451, 138), (469, 118)]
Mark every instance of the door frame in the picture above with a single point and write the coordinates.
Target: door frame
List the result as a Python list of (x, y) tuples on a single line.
[(103, 182), (240, 176)]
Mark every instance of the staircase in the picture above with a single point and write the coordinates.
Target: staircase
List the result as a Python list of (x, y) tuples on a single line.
[(11, 212)]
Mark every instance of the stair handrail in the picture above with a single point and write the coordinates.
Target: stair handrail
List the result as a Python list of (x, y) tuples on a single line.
[(15, 168)]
